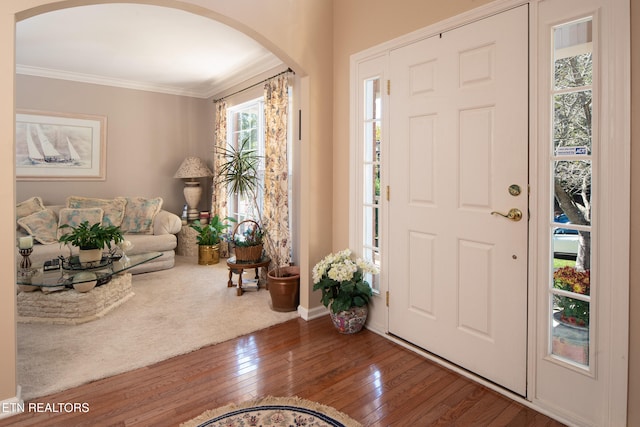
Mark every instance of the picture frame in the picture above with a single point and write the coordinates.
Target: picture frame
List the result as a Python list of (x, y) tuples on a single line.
[(60, 146)]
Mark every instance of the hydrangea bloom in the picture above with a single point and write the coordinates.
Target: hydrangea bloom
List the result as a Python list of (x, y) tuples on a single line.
[(341, 280)]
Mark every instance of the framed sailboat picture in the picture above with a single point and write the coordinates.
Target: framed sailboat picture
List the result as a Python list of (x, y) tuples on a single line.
[(60, 146)]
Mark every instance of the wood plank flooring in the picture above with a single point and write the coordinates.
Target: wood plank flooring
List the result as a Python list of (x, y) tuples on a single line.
[(375, 381)]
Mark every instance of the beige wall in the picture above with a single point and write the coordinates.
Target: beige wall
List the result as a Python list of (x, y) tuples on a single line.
[(148, 136), (634, 283), (300, 33), (361, 24)]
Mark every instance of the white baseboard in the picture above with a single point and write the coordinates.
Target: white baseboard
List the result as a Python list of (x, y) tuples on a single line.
[(12, 406), (313, 313)]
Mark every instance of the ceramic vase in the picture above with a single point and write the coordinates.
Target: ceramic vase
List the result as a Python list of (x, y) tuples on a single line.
[(350, 321), (89, 255)]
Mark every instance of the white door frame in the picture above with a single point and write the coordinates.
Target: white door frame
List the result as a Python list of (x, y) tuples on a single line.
[(614, 240)]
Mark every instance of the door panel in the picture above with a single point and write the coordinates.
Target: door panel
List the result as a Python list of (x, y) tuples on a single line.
[(459, 139)]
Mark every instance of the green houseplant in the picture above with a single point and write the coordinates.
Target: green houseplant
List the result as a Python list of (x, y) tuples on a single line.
[(239, 172), (91, 239), (346, 293), (208, 239)]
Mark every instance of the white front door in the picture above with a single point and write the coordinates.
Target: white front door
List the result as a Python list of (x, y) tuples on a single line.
[(459, 161)]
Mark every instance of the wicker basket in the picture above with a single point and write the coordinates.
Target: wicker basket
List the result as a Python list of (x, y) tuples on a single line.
[(248, 253)]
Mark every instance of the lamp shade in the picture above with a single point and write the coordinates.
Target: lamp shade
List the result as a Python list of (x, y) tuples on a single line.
[(193, 167)]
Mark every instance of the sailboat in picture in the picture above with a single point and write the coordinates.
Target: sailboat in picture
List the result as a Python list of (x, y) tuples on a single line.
[(73, 154), (49, 154), (34, 154)]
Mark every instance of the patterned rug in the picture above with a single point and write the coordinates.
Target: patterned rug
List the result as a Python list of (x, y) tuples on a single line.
[(272, 412)]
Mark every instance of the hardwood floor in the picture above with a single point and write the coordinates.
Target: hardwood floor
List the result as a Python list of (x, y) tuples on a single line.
[(364, 375)]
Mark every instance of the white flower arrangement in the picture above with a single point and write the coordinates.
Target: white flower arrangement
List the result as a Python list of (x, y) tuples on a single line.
[(341, 280)]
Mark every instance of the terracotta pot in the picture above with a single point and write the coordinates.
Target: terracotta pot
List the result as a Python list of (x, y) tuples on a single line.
[(284, 289), (208, 254), (349, 321)]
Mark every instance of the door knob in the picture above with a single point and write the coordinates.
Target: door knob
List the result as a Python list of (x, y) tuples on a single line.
[(513, 214)]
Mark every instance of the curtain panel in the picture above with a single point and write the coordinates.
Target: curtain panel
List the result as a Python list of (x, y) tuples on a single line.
[(219, 197), (276, 178)]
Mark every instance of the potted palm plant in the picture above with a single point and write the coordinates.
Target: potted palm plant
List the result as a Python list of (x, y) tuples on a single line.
[(91, 239), (208, 239), (346, 293), (239, 172)]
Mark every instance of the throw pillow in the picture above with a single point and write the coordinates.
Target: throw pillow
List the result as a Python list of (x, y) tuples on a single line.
[(42, 225), (113, 208), (74, 217), (139, 214), (29, 206)]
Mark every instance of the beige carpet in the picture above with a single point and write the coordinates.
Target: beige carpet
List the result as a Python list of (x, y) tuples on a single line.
[(172, 312)]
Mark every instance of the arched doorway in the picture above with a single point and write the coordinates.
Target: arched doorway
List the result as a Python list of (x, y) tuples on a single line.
[(232, 19)]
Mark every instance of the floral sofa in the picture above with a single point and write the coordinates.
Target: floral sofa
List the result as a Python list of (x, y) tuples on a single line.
[(142, 220)]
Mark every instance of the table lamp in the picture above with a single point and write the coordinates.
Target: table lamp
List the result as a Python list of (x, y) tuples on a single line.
[(190, 170)]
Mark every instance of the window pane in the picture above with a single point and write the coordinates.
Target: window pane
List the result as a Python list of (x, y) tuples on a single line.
[(373, 256), (246, 126), (571, 315), (372, 104), (569, 341), (369, 141), (572, 188), (572, 54), (572, 123), (371, 186), (370, 227)]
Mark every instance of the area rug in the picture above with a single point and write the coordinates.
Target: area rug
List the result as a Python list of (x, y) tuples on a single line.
[(272, 412), (173, 312)]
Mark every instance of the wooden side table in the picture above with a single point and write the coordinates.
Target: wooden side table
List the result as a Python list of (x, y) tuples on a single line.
[(239, 266)]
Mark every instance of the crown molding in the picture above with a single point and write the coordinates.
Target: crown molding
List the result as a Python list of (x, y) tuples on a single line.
[(261, 65), (105, 81)]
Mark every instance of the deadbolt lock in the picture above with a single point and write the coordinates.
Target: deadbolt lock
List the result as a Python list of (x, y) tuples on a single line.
[(514, 190)]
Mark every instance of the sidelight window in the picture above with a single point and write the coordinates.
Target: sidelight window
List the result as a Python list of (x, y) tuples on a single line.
[(573, 145), (370, 160)]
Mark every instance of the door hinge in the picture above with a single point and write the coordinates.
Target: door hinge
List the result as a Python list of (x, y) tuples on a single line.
[(387, 298), (388, 193), (388, 87)]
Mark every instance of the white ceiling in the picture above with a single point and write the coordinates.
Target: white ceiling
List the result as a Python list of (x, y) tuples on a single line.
[(141, 47)]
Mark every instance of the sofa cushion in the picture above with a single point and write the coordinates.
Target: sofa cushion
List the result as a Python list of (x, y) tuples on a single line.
[(113, 208), (28, 207), (42, 225), (139, 214), (75, 216)]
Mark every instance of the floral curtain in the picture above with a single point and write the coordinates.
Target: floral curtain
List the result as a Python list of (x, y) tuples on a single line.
[(276, 177), (219, 192)]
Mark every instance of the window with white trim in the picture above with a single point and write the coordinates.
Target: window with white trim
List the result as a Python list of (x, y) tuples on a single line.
[(246, 122), (370, 167), (573, 146)]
